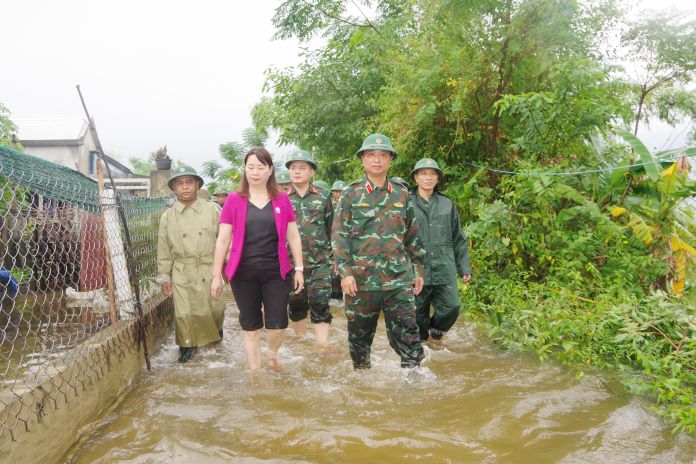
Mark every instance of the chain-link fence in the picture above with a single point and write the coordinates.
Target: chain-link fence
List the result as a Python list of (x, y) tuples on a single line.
[(74, 259)]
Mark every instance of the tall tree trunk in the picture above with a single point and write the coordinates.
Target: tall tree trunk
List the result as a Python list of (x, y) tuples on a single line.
[(641, 102)]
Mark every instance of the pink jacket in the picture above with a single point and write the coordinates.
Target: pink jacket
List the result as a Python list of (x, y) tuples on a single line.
[(234, 212)]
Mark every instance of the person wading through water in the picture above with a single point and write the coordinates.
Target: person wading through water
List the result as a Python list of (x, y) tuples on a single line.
[(446, 253), (380, 257), (185, 246), (314, 214), (257, 225)]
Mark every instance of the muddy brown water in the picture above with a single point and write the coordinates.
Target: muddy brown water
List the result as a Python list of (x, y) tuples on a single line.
[(470, 402)]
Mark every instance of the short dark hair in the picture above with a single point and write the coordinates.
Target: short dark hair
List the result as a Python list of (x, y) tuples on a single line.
[(271, 185)]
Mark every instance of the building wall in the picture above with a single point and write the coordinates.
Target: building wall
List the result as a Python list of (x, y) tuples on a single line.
[(68, 156)]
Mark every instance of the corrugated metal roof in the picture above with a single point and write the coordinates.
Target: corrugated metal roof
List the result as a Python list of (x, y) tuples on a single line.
[(51, 128)]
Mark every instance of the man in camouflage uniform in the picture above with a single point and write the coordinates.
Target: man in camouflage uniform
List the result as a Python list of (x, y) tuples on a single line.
[(314, 214), (336, 190), (185, 246), (322, 185), (377, 246), (283, 180), (447, 253)]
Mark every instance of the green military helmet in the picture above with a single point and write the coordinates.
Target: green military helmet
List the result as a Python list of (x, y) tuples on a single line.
[(301, 155), (221, 192), (282, 177), (376, 142), (338, 186), (399, 180), (427, 163), (184, 171), (322, 184)]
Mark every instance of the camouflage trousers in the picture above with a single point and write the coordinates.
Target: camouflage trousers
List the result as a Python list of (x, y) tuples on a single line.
[(362, 312), (445, 302), (314, 298)]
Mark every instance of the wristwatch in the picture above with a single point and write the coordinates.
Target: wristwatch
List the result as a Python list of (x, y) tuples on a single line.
[(299, 268)]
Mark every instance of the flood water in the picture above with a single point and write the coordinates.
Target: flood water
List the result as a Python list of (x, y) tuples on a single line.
[(470, 402)]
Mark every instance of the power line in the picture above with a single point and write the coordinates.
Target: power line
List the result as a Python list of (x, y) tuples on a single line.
[(571, 173)]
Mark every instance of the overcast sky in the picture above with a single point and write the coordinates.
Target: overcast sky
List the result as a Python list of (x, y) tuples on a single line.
[(153, 72)]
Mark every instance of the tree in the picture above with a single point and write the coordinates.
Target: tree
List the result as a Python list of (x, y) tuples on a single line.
[(662, 49), (224, 177), (432, 74), (8, 130)]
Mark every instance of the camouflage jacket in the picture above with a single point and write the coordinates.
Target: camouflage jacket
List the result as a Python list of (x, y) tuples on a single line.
[(314, 214), (375, 237)]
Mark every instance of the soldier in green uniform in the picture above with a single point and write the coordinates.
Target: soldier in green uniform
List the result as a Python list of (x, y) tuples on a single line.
[(220, 196), (314, 214), (185, 247), (336, 190), (283, 180), (447, 253), (322, 185), (380, 257)]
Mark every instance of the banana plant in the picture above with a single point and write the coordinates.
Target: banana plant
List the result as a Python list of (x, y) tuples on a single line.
[(658, 213)]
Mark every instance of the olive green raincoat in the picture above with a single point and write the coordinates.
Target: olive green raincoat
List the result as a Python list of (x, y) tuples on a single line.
[(445, 242), (186, 244)]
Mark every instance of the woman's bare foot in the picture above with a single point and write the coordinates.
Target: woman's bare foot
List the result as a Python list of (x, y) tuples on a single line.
[(273, 365)]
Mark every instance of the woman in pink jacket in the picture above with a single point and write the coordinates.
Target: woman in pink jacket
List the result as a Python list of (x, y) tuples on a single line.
[(259, 223)]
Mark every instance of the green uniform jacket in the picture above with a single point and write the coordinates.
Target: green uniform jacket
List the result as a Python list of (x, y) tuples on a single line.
[(446, 246), (185, 248), (314, 213), (375, 237)]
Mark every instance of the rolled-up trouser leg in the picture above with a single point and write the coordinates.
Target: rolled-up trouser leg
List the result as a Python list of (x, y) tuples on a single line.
[(362, 312), (423, 300), (318, 284), (446, 305), (336, 291), (400, 318), (298, 307)]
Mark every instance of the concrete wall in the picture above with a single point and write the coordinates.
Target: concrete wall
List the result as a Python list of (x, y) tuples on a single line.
[(48, 417), (158, 183)]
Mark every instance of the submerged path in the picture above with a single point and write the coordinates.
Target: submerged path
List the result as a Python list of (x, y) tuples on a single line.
[(470, 402)]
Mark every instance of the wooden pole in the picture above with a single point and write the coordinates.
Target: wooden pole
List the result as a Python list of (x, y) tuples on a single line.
[(107, 255)]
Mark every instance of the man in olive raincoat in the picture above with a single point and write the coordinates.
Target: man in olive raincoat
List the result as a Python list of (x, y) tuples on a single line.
[(446, 252), (186, 243)]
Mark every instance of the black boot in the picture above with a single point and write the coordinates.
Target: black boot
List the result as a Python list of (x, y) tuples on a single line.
[(436, 334), (186, 353)]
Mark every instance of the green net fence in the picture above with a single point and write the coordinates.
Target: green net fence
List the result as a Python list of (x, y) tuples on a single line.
[(66, 275)]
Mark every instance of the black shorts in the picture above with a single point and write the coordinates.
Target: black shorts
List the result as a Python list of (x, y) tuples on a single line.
[(255, 287)]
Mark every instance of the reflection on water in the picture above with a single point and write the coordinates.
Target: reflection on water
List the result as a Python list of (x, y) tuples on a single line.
[(469, 402), (45, 327)]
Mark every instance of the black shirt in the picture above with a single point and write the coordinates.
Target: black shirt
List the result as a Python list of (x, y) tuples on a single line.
[(260, 249)]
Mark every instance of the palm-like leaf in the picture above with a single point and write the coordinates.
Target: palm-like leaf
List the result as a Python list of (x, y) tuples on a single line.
[(211, 169), (643, 153), (254, 137)]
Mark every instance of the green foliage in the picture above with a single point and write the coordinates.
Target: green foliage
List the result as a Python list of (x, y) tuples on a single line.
[(8, 130), (226, 177), (556, 274), (526, 86)]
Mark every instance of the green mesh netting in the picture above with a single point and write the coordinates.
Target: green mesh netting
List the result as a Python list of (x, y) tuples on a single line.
[(51, 180)]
